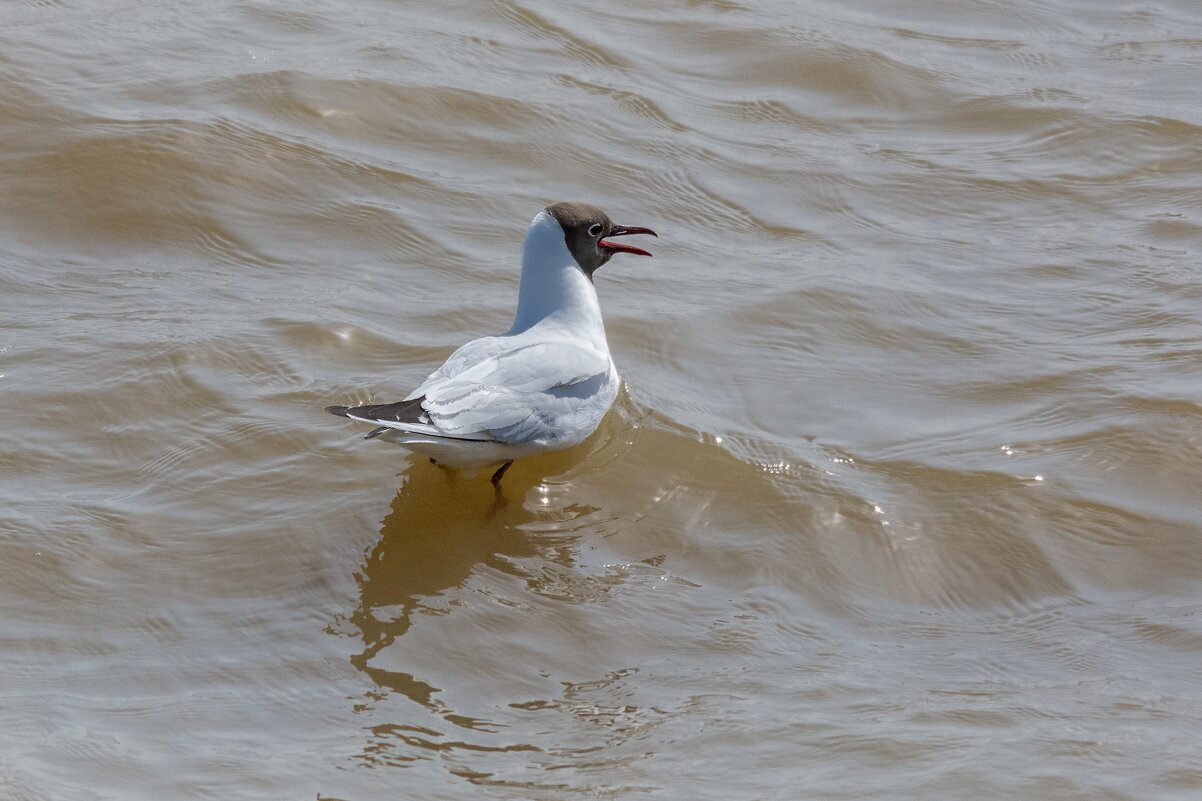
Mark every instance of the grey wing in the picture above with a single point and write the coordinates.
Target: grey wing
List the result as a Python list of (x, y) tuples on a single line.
[(542, 391)]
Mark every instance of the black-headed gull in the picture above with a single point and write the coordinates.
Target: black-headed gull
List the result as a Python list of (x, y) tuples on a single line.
[(543, 385)]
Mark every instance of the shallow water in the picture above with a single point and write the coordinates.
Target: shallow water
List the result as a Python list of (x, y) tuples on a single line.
[(902, 499)]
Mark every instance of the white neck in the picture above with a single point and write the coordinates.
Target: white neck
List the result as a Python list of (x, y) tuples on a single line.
[(554, 290)]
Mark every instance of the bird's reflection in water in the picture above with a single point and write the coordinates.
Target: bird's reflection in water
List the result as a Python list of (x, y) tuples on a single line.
[(441, 529)]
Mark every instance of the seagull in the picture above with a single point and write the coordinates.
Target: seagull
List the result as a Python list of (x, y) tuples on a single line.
[(544, 384)]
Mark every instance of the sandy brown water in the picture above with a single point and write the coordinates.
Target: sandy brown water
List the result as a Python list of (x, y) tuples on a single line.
[(902, 498)]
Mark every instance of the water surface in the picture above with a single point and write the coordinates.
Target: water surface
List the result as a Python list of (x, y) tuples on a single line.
[(901, 498)]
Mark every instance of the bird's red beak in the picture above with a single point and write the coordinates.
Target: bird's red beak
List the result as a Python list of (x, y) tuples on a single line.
[(622, 230)]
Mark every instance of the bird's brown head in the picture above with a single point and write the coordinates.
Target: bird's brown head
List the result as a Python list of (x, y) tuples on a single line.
[(589, 234)]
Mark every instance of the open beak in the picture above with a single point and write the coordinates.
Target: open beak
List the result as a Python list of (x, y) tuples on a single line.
[(622, 230)]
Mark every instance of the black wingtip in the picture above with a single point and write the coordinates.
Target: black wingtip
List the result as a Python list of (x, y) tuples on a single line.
[(338, 410)]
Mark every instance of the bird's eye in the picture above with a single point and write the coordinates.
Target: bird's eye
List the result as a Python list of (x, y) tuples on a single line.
[(594, 229)]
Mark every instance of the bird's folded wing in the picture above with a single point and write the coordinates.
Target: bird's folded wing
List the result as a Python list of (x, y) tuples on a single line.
[(516, 394)]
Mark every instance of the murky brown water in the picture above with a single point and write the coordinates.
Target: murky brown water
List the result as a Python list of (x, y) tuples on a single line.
[(903, 498)]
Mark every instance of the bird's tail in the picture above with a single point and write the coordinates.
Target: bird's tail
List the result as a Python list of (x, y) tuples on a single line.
[(341, 411)]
